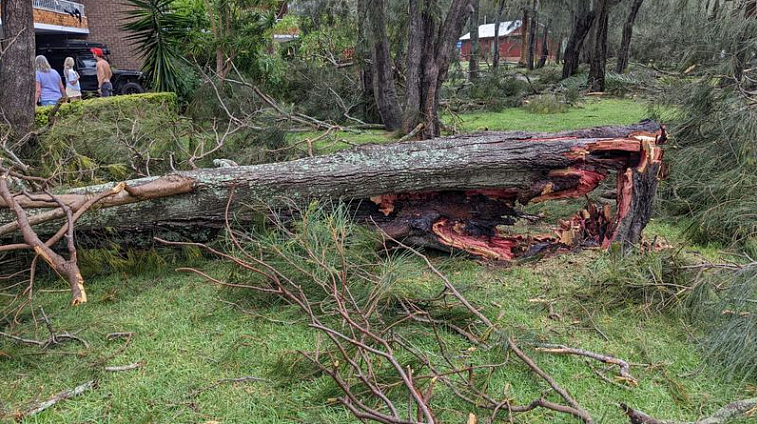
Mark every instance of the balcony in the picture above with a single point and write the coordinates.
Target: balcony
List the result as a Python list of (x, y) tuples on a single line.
[(59, 17)]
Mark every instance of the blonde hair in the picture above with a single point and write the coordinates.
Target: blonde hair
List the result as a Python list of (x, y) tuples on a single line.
[(42, 63), (68, 63)]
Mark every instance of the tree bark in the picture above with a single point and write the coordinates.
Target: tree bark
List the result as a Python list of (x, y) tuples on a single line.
[(448, 193), (625, 44), (544, 47), (581, 27), (495, 56), (598, 59), (413, 79), (384, 88), (524, 30), (532, 35), (363, 52), (475, 47), (17, 83), (437, 63)]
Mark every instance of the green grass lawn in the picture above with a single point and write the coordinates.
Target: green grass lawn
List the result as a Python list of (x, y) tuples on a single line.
[(187, 336)]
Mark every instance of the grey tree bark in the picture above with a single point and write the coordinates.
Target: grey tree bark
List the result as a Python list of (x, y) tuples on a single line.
[(411, 189), (532, 35), (475, 46), (17, 82), (384, 88), (625, 44), (584, 21), (495, 59), (598, 58)]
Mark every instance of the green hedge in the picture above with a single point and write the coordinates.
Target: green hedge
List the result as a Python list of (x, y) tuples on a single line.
[(112, 138), (99, 105)]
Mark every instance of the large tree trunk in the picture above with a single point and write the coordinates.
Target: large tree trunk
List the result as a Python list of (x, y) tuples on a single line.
[(598, 58), (364, 55), (17, 66), (495, 56), (625, 44), (413, 79), (532, 27), (383, 74), (524, 31), (437, 64), (475, 47), (581, 27), (448, 193)]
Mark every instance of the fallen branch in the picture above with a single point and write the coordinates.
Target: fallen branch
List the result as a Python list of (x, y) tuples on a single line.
[(738, 409), (625, 367), (64, 395), (124, 367)]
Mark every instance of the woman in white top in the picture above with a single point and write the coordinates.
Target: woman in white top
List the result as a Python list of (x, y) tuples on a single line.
[(73, 88)]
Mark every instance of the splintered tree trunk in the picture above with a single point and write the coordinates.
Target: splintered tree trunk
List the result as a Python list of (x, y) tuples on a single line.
[(475, 47), (495, 58), (625, 44), (17, 66), (452, 193), (383, 74), (572, 56)]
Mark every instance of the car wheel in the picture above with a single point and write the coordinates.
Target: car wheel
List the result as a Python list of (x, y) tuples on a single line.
[(132, 88)]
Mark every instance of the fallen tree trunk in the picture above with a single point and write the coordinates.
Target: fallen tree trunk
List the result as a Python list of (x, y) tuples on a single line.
[(448, 193)]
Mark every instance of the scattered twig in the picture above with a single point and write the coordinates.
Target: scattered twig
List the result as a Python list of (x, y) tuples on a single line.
[(64, 395), (625, 368), (124, 367)]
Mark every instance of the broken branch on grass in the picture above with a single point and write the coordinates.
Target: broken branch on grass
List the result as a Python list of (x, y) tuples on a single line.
[(124, 367), (738, 409), (625, 367), (64, 395)]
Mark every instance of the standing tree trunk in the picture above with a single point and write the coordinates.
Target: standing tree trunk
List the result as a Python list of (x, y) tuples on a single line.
[(17, 66), (413, 79), (584, 20), (475, 47), (532, 35), (598, 60), (383, 74), (495, 59), (524, 31), (437, 64), (544, 47), (625, 44), (363, 53)]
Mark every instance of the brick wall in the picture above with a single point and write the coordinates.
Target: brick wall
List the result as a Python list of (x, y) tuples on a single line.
[(105, 19), (54, 18)]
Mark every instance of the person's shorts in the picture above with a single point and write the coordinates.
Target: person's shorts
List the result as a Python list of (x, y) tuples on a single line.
[(48, 102), (106, 90), (72, 92)]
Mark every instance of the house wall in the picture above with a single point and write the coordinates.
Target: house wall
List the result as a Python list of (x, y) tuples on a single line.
[(509, 48), (105, 18)]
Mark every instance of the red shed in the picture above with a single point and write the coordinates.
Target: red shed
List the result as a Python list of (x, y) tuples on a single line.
[(510, 35)]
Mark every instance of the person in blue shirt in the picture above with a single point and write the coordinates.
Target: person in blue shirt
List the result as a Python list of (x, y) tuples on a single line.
[(50, 87)]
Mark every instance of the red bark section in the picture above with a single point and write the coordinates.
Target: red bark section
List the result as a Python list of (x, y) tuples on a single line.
[(469, 220)]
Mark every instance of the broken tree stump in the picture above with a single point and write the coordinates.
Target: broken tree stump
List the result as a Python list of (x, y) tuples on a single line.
[(448, 193)]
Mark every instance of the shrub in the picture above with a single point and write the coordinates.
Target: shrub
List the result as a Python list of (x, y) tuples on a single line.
[(111, 138), (546, 104)]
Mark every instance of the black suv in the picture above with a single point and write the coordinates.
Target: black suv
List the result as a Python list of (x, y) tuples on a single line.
[(56, 52)]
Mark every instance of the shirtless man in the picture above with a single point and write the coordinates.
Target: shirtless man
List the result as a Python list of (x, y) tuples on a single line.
[(104, 73)]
